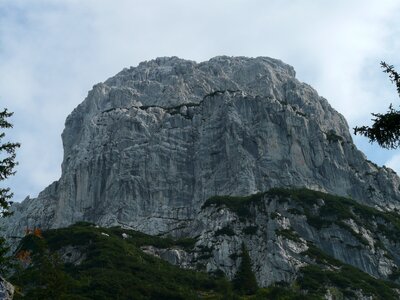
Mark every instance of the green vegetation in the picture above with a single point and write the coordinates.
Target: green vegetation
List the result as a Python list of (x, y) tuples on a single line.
[(295, 211), (357, 235), (6, 262), (331, 210), (328, 273), (250, 230), (7, 165), (385, 129), (347, 280), (114, 268), (320, 257), (220, 92), (323, 210), (7, 162), (274, 215), (78, 234), (282, 291), (238, 205), (206, 252), (331, 136), (289, 234), (225, 231), (245, 280), (336, 209)]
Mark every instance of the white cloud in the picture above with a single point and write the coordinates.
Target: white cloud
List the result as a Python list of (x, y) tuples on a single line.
[(394, 163), (53, 52)]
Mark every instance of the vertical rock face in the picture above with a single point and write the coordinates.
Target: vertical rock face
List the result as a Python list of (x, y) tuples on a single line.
[(148, 146)]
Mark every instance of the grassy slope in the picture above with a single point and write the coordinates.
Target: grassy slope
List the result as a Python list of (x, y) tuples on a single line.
[(115, 268)]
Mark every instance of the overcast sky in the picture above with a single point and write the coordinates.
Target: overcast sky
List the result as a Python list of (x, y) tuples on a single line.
[(53, 52)]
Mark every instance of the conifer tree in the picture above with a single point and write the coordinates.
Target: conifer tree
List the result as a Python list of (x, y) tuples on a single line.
[(385, 129), (41, 271), (245, 281), (7, 162)]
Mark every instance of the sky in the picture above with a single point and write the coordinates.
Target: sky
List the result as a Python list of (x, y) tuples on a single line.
[(53, 51)]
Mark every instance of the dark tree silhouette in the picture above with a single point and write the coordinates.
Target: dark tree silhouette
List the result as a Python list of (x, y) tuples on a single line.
[(385, 129), (245, 281), (7, 162)]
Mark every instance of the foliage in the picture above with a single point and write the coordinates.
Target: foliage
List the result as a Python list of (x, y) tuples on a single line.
[(114, 267), (322, 210), (332, 210), (335, 209), (6, 262), (331, 136), (289, 234), (7, 162), (347, 279), (385, 129), (7, 165), (238, 205), (245, 281), (225, 231), (329, 273), (250, 230), (281, 292), (41, 270)]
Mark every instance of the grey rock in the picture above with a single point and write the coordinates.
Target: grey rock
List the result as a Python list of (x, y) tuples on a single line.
[(72, 254), (277, 256), (175, 256), (148, 146), (6, 289)]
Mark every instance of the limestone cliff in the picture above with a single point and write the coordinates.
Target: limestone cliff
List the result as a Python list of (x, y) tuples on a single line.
[(150, 145), (286, 230)]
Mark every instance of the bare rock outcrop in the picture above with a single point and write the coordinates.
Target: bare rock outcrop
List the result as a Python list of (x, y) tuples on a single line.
[(6, 289), (150, 145)]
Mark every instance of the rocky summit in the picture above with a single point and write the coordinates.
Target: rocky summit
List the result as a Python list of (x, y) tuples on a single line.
[(153, 147)]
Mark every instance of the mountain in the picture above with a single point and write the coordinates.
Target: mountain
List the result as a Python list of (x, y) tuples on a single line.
[(106, 263), (232, 151), (85, 261)]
